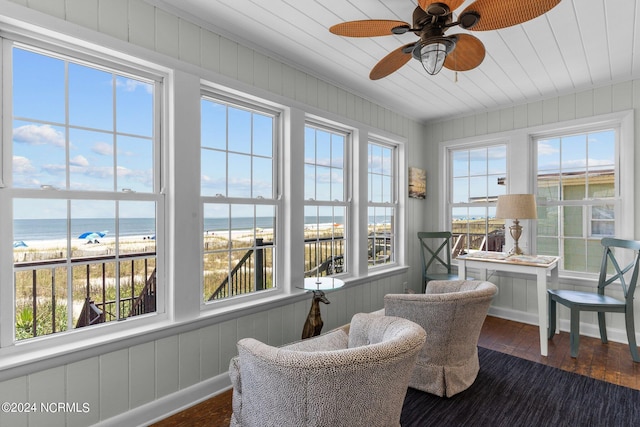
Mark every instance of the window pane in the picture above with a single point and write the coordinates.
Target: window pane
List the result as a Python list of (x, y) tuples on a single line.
[(548, 220), (137, 227), (237, 152), (603, 221), (460, 163), (90, 97), (579, 169), (548, 154), (38, 86), (239, 249), (134, 107), (497, 160), (41, 303), (324, 244), (262, 177), (478, 162), (262, 135), (39, 155), (239, 175), (478, 189), (337, 151), (94, 254), (573, 222), (574, 152), (548, 246), (91, 162), (213, 122), (381, 178), (380, 236), (239, 130), (479, 177), (549, 185), (135, 164), (214, 172), (93, 228), (460, 190), (40, 229), (324, 165)]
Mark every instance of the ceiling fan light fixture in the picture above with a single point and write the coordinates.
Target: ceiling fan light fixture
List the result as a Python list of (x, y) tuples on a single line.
[(433, 53)]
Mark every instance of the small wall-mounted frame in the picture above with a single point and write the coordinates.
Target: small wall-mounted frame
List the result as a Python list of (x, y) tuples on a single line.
[(417, 183)]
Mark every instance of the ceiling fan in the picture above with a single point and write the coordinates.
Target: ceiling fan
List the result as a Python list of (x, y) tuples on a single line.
[(431, 19)]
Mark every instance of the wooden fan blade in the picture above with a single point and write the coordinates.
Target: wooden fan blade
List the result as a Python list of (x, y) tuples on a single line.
[(496, 14), (367, 28), (452, 4), (468, 53), (392, 62)]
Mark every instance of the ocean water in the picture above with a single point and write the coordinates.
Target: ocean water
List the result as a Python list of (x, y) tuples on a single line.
[(56, 229)]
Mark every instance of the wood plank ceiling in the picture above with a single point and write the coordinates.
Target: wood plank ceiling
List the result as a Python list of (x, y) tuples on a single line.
[(578, 45)]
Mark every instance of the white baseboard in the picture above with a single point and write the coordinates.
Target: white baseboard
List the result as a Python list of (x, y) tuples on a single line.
[(171, 404)]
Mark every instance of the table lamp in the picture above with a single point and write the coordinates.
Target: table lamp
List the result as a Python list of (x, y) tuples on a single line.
[(516, 207)]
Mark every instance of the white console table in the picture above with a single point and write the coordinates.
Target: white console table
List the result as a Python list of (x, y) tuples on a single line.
[(538, 266)]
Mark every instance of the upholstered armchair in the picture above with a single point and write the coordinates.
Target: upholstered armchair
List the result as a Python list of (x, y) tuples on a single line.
[(353, 376), (452, 314)]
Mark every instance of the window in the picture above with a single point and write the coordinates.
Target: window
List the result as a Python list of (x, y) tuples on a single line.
[(84, 184), (477, 177), (577, 194), (325, 205), (239, 196), (581, 172), (382, 209)]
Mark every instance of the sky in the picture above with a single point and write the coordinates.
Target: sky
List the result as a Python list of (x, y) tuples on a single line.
[(94, 128), (72, 122)]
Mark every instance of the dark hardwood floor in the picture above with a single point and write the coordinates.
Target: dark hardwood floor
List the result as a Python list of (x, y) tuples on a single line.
[(608, 362)]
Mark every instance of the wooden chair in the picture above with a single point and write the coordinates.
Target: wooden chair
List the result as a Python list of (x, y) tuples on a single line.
[(578, 301), (435, 247)]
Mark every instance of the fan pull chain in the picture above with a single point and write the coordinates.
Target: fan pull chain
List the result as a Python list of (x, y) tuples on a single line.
[(455, 78)]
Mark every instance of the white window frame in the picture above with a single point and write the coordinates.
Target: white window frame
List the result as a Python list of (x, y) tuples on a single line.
[(522, 168), (622, 123), (97, 57), (218, 95), (449, 202), (345, 203), (394, 204)]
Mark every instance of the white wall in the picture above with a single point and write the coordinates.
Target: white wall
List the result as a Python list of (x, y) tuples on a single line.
[(517, 298), (133, 381)]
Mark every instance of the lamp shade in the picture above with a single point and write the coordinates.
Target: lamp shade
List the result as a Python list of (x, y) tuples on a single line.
[(517, 206), (432, 57), (433, 51)]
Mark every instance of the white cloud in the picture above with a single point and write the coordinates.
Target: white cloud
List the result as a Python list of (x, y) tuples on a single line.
[(130, 85), (102, 148), (79, 160), (38, 135), (22, 165), (545, 149)]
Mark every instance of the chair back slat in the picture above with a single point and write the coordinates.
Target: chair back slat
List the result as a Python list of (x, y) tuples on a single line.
[(609, 259), (440, 255)]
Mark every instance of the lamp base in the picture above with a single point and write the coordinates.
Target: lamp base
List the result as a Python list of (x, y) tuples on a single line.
[(515, 251), (516, 232)]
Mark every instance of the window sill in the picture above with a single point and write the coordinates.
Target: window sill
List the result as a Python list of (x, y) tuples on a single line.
[(36, 355)]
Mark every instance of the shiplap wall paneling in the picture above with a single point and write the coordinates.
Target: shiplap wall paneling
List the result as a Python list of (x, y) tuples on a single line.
[(82, 387)]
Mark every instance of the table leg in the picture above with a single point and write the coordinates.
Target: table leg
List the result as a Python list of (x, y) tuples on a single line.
[(543, 314), (462, 269)]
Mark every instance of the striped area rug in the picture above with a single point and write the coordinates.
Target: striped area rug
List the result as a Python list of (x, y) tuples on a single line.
[(510, 391)]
